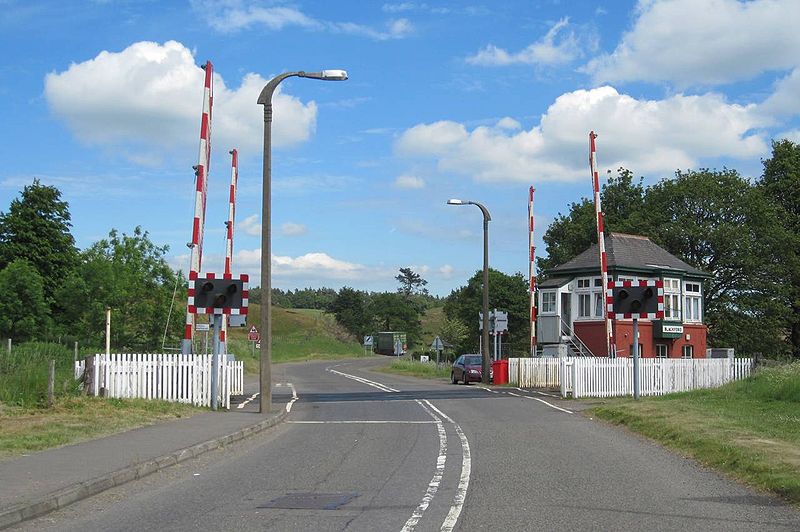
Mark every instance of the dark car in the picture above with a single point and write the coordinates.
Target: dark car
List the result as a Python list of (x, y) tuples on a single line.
[(467, 368)]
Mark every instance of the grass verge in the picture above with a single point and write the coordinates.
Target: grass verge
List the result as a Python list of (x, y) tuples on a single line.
[(748, 429), (415, 368), (74, 419)]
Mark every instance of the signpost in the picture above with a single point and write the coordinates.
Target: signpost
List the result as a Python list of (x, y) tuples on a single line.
[(437, 346), (254, 337), (368, 342)]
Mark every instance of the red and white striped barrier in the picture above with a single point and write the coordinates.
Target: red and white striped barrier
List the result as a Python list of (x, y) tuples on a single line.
[(532, 271), (611, 348)]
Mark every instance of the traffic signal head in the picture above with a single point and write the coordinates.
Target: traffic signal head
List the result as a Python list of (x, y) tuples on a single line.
[(643, 299), (218, 293)]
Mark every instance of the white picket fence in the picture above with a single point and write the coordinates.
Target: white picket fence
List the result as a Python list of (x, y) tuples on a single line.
[(168, 377), (604, 377)]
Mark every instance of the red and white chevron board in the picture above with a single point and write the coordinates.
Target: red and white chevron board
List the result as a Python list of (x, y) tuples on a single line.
[(657, 284), (245, 278)]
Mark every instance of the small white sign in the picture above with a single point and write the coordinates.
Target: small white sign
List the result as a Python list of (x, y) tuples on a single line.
[(674, 329), (258, 345), (424, 358), (368, 341), (201, 327)]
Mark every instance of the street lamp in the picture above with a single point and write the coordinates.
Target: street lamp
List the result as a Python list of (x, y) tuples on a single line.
[(485, 341), (265, 99)]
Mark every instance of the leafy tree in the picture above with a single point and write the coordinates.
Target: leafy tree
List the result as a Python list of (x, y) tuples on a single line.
[(129, 274), (23, 310), (781, 184), (453, 331), (37, 228), (506, 292), (411, 282), (350, 309), (393, 312)]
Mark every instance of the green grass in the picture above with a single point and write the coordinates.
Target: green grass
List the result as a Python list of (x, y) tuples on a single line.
[(749, 429), (297, 335), (74, 419), (415, 368)]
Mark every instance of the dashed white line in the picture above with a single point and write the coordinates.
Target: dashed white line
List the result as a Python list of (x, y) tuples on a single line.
[(364, 422), (251, 398), (542, 401), (294, 398), (362, 380)]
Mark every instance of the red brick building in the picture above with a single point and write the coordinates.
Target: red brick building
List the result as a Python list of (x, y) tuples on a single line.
[(571, 303)]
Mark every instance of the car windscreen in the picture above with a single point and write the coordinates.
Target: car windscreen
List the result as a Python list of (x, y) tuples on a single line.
[(472, 360)]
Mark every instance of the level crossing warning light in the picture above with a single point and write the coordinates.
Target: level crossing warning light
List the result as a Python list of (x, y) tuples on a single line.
[(635, 299), (210, 294)]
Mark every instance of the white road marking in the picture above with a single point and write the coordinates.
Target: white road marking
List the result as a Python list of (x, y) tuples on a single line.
[(362, 380), (542, 401), (487, 389), (294, 398), (364, 421), (251, 398), (433, 485), (463, 482), (540, 393)]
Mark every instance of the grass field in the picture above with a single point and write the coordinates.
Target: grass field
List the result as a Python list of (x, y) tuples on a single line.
[(748, 429), (415, 368), (297, 334)]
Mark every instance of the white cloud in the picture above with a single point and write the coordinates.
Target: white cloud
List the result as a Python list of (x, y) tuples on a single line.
[(447, 271), (231, 16), (556, 47), (409, 181), (250, 225), (293, 229), (650, 136), (784, 101), (149, 97), (793, 135), (691, 42)]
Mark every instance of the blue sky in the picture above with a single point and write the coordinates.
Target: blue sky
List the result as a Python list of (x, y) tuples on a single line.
[(466, 100)]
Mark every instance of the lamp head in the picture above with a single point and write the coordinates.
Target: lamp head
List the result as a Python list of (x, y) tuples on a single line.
[(455, 202), (326, 75)]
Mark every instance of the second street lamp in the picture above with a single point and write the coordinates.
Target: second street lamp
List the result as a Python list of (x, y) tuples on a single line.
[(485, 308), (265, 99)]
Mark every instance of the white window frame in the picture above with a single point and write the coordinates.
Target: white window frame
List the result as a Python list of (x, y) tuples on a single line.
[(587, 292), (584, 305), (693, 299), (662, 351), (598, 304), (688, 348), (672, 299), (543, 307)]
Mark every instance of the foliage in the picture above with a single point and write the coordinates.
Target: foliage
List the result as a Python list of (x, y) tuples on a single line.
[(24, 373), (37, 228), (23, 311), (454, 331), (394, 312), (411, 282), (350, 309), (781, 185), (506, 292)]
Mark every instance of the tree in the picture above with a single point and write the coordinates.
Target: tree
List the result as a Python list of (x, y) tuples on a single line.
[(129, 274), (781, 184), (411, 282), (393, 312), (36, 228), (350, 309), (506, 292), (23, 311)]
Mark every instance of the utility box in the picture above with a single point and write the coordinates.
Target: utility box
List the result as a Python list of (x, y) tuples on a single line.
[(548, 330), (719, 352)]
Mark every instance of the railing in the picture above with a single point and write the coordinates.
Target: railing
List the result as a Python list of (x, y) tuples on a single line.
[(169, 377), (580, 348), (604, 377)]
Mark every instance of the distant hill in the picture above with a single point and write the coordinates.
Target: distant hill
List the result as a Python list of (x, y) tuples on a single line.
[(297, 334)]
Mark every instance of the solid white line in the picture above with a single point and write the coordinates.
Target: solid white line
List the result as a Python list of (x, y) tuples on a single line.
[(362, 380), (463, 483), (252, 397), (294, 398), (542, 401), (363, 421), (433, 485)]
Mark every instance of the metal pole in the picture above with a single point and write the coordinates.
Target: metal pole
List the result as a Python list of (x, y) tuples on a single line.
[(215, 361), (635, 358), (108, 330), (75, 355), (9, 348), (485, 365)]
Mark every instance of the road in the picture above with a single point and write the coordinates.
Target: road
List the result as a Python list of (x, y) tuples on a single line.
[(364, 450)]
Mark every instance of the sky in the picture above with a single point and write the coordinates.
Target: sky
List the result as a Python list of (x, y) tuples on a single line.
[(471, 100)]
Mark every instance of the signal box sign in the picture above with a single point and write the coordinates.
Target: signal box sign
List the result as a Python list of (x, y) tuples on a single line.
[(212, 294), (635, 299)]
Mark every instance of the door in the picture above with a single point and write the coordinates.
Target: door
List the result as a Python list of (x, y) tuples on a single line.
[(566, 314)]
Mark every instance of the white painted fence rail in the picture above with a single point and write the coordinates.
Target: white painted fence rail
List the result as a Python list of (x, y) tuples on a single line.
[(169, 377), (604, 377)]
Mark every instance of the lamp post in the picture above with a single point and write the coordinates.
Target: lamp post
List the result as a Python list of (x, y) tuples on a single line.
[(265, 99), (485, 341)]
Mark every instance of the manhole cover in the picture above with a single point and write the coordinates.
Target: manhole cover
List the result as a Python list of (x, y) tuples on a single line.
[(311, 501)]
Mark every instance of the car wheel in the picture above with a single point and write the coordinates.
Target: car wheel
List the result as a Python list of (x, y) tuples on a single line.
[(453, 379)]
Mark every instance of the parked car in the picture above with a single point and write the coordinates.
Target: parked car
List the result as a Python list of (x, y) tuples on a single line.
[(467, 368)]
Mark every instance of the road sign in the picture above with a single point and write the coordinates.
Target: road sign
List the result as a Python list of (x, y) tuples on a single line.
[(437, 344), (258, 345), (253, 335), (201, 327), (368, 341)]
